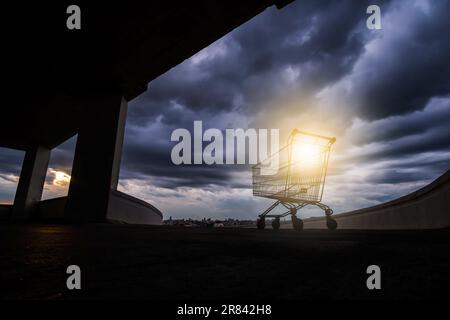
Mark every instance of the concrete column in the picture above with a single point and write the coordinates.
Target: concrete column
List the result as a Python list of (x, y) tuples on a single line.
[(31, 183), (97, 158)]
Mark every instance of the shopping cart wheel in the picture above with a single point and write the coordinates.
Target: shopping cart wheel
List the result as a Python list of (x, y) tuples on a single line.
[(297, 223), (261, 223), (331, 224), (276, 223)]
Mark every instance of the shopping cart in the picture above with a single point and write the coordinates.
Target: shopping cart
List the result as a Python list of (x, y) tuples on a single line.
[(297, 181)]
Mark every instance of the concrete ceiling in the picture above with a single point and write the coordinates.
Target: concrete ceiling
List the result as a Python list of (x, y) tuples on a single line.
[(52, 72)]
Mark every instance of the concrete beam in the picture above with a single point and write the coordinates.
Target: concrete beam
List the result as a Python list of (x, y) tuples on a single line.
[(97, 158), (31, 183)]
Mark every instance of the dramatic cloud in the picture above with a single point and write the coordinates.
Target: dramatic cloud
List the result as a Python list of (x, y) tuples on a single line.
[(385, 95), (11, 163)]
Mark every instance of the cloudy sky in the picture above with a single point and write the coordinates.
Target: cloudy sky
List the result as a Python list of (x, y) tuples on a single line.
[(313, 65)]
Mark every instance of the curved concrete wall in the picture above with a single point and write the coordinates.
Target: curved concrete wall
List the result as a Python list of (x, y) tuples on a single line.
[(122, 207), (427, 208)]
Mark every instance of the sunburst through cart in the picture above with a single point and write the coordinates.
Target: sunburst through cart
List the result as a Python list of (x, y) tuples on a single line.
[(298, 181)]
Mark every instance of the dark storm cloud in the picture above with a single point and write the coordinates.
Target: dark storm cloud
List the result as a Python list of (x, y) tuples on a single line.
[(421, 171), (315, 35), (246, 63), (436, 115), (11, 161), (61, 158), (433, 163), (411, 62), (398, 176), (435, 139), (238, 74), (142, 162)]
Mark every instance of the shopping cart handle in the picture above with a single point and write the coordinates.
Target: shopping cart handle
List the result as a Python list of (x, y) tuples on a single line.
[(296, 131)]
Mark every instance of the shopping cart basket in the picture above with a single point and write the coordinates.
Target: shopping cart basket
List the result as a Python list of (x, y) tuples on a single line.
[(297, 181)]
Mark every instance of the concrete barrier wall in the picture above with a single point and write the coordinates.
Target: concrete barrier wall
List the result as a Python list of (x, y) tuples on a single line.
[(122, 207), (427, 208)]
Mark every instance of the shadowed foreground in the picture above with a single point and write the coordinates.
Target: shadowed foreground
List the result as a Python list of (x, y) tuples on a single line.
[(120, 261)]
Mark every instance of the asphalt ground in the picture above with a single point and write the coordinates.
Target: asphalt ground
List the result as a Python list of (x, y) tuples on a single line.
[(196, 264)]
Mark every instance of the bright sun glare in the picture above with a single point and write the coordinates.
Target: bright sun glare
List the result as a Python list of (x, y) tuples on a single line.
[(306, 154), (61, 178)]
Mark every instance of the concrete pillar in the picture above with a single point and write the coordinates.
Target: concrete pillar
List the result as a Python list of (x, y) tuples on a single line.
[(31, 183), (97, 158)]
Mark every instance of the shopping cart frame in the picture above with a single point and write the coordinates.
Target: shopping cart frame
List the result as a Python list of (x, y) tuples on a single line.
[(293, 202)]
